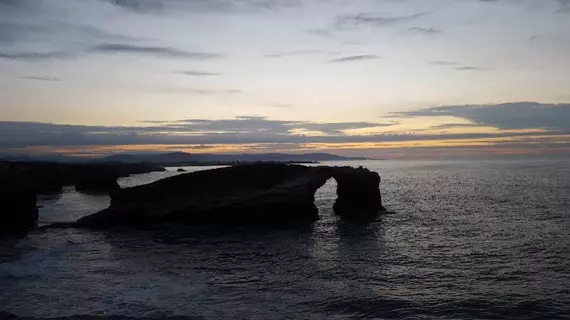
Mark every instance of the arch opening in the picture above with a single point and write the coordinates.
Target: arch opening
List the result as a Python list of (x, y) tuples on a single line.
[(325, 197), (357, 193)]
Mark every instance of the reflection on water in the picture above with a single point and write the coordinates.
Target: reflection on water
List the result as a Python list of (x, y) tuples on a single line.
[(484, 240), (69, 205)]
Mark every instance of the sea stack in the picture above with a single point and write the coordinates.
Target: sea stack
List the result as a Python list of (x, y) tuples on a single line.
[(358, 194)]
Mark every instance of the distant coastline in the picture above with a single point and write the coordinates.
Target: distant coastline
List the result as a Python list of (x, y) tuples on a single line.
[(228, 163), (176, 159)]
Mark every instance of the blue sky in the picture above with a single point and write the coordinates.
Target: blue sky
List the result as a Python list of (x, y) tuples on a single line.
[(373, 77)]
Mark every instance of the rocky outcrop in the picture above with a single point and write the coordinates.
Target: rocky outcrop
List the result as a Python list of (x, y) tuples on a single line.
[(21, 182), (101, 181), (49, 177), (18, 208), (180, 170), (261, 193), (358, 194)]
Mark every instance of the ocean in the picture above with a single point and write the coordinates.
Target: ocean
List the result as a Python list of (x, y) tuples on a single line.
[(485, 239)]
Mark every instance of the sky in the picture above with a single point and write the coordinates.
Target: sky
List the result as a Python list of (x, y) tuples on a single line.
[(375, 78)]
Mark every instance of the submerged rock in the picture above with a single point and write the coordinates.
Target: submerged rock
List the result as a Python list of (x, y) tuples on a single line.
[(263, 193)]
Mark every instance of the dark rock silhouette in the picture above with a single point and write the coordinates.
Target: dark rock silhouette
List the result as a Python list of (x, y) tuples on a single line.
[(181, 170), (264, 193), (50, 177), (358, 194), (21, 182), (103, 181), (18, 198)]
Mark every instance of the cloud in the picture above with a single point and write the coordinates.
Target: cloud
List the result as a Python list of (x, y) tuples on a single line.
[(516, 115), (471, 68), (17, 27), (18, 4), (155, 121), (338, 128), (115, 48), (321, 32), (443, 63), (425, 30), (278, 105), (199, 6), (247, 129), (255, 129), (163, 52), (34, 31), (137, 5), (50, 79), (11, 32), (243, 124), (456, 125), (198, 73), (458, 67), (34, 56), (371, 20), (296, 53), (564, 6), (182, 90), (361, 57)]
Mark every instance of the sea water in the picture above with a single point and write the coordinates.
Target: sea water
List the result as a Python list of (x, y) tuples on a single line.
[(466, 240)]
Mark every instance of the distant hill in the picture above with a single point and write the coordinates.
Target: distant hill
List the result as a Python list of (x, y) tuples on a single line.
[(43, 158), (178, 158)]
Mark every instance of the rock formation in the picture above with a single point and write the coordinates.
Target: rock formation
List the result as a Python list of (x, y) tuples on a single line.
[(358, 193), (103, 181), (264, 193), (21, 182), (18, 198), (49, 177)]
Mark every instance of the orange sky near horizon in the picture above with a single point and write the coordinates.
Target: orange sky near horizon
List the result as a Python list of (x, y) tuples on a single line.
[(385, 150)]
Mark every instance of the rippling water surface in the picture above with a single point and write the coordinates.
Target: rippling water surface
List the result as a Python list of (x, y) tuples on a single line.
[(468, 240)]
